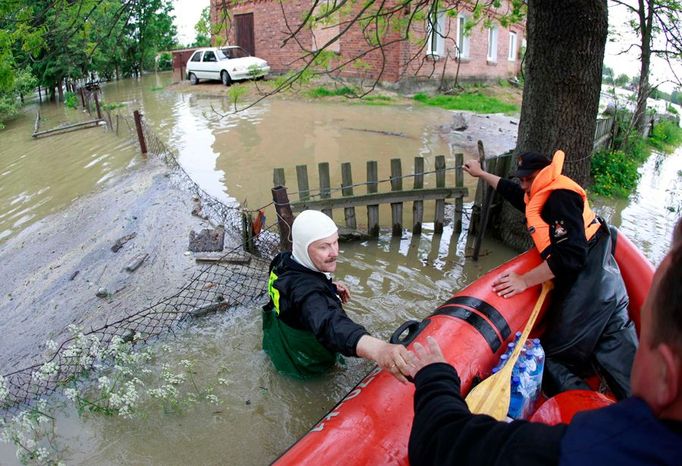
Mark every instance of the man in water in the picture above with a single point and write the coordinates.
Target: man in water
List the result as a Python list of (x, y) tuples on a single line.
[(304, 324)]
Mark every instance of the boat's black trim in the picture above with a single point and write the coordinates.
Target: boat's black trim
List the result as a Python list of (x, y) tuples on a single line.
[(472, 318), (487, 310)]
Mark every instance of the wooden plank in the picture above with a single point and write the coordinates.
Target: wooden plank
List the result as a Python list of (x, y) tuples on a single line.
[(459, 182), (278, 177), (325, 184), (427, 194), (66, 129), (372, 209), (418, 206), (347, 190), (440, 203), (302, 178), (396, 207)]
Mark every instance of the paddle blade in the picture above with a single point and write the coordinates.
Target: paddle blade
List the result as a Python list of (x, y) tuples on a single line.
[(491, 397)]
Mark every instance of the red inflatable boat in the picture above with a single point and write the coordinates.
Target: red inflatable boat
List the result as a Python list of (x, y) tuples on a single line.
[(371, 425)]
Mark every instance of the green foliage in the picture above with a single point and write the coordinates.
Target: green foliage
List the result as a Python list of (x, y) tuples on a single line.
[(113, 106), (70, 100), (671, 109), (621, 80), (203, 29), (322, 91), (235, 93), (164, 62), (615, 173), (666, 136), (474, 101)]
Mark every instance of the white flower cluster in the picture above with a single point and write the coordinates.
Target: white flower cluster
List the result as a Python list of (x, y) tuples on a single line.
[(84, 350), (31, 432), (46, 371), (171, 378), (125, 400)]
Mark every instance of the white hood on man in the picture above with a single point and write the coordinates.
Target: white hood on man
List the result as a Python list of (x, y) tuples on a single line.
[(310, 226)]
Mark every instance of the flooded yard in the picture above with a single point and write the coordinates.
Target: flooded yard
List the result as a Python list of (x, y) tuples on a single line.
[(257, 413)]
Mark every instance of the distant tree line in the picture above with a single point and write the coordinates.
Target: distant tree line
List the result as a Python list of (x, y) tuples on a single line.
[(52, 43), (631, 83)]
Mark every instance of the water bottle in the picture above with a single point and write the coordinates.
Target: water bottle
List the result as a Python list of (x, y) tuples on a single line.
[(539, 357), (517, 336), (501, 362), (517, 401)]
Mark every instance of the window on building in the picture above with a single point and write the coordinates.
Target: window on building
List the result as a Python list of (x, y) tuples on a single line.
[(492, 44), (512, 46), (462, 37), (436, 37)]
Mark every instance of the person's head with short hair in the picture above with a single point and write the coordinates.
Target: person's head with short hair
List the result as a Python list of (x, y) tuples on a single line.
[(528, 165), (315, 241), (657, 369)]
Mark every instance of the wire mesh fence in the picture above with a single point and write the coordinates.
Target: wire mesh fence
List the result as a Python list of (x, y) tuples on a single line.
[(216, 287)]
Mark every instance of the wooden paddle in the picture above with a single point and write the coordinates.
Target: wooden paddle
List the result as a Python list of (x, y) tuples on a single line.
[(492, 395)]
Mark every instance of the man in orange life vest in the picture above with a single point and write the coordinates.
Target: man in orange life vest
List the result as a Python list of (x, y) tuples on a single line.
[(588, 323), (642, 430)]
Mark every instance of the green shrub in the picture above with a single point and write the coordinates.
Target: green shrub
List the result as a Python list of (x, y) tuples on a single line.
[(70, 100), (666, 136), (473, 101), (615, 173)]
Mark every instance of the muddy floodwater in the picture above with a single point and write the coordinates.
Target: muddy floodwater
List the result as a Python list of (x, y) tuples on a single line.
[(259, 413)]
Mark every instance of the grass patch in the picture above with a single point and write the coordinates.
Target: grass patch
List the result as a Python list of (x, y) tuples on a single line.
[(321, 91), (473, 101), (615, 174), (666, 136), (157, 88), (113, 106)]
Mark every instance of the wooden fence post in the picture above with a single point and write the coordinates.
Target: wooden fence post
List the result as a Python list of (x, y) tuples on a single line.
[(372, 187), (459, 183), (284, 216), (325, 185), (440, 203), (278, 177), (82, 98), (418, 206), (396, 207), (303, 187), (247, 231), (140, 133), (347, 190), (99, 111)]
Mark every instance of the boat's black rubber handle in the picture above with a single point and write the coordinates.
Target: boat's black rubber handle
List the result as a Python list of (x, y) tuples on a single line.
[(412, 327)]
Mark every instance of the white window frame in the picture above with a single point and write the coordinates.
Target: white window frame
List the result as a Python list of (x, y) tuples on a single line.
[(462, 39), (512, 46), (435, 45), (492, 44)]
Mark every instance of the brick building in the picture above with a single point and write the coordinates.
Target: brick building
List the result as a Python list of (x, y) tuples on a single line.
[(486, 53)]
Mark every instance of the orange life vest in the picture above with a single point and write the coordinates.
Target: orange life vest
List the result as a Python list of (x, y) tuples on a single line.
[(548, 180)]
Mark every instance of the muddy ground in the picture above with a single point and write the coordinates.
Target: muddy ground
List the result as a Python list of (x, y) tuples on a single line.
[(54, 270)]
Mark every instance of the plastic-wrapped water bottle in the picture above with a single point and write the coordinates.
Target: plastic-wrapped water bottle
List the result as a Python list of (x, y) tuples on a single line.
[(503, 360), (517, 400), (539, 356)]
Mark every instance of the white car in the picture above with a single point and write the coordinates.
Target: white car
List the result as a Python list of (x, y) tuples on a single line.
[(226, 64)]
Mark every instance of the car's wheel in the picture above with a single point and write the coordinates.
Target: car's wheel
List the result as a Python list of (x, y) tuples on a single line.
[(225, 78), (193, 79)]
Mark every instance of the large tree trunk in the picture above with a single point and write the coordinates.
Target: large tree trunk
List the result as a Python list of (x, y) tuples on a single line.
[(566, 41)]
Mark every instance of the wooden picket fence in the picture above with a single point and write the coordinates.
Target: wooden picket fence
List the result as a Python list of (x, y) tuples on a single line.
[(326, 200)]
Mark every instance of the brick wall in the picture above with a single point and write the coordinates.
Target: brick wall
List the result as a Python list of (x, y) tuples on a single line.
[(402, 60)]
